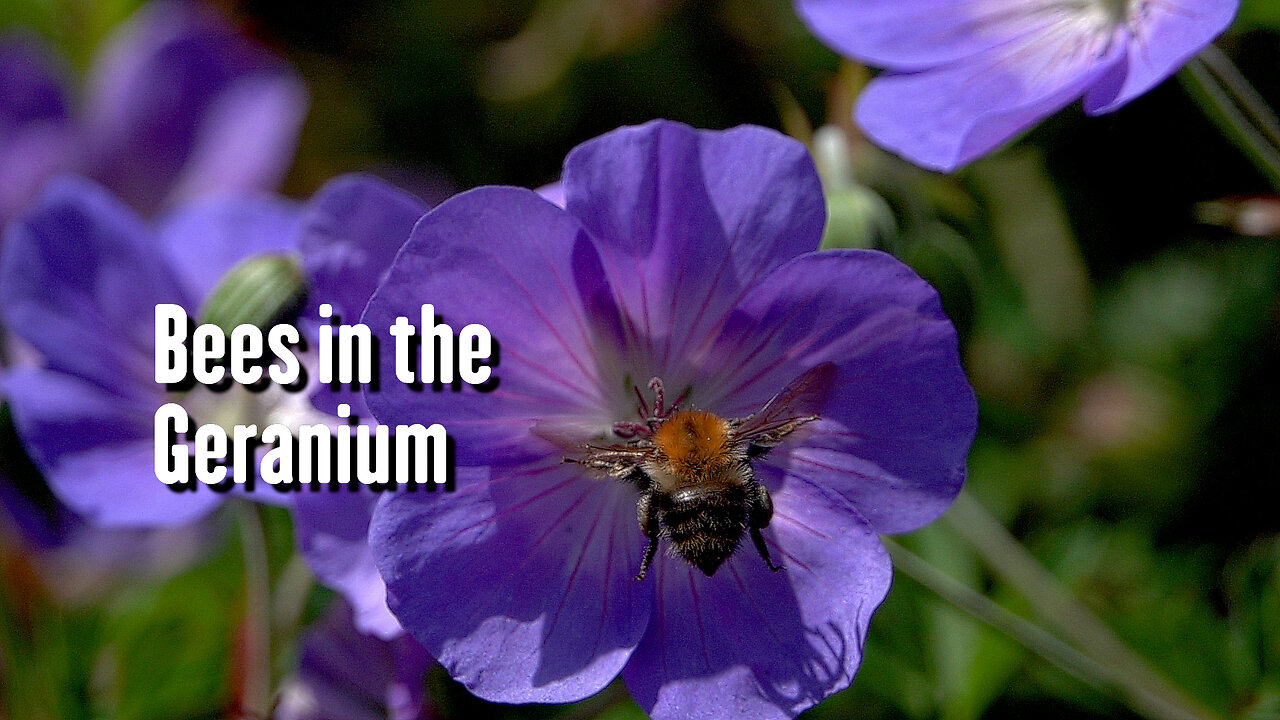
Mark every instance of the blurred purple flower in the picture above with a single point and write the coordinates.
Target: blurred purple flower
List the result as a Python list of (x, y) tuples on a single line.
[(345, 675), (80, 276), (347, 236), (178, 104), (351, 231), (74, 559), (71, 555), (967, 75), (37, 136), (357, 663), (27, 509), (689, 256)]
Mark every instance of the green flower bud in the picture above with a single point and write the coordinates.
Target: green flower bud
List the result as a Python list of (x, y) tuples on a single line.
[(261, 291)]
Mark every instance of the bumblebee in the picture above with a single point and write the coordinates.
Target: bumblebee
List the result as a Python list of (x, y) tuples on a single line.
[(693, 468)]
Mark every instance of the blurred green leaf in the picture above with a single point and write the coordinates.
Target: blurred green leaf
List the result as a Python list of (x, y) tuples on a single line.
[(974, 663), (167, 651), (1191, 313), (75, 28), (1036, 243), (44, 669)]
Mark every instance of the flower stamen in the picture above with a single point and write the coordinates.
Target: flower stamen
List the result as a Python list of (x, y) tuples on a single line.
[(650, 416)]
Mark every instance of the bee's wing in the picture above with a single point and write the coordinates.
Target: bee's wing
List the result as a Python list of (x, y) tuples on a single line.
[(614, 460), (796, 405)]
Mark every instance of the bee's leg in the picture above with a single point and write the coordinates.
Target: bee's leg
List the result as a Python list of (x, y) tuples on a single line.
[(758, 539), (649, 552), (647, 514), (759, 513)]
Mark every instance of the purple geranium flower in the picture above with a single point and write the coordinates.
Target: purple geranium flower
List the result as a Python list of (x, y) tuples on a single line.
[(79, 244), (178, 104), (80, 276), (37, 137), (351, 231), (74, 559), (688, 256), (967, 75)]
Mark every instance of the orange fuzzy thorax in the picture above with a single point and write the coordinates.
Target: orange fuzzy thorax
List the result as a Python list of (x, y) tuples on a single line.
[(694, 443)]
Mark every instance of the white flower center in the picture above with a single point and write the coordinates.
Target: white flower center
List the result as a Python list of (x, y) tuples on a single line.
[(1103, 16), (1093, 16), (1116, 12), (238, 406)]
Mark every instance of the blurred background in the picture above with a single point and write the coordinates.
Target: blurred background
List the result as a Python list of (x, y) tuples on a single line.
[(1115, 280)]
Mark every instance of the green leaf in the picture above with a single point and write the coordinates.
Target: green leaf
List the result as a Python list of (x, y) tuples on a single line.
[(167, 651)]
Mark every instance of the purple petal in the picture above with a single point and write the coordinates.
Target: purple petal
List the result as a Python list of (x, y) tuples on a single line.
[(180, 98), (897, 424), (351, 231), (686, 220), (345, 674), (553, 193), (32, 89), (507, 259), (79, 280), (946, 117), (248, 136), (204, 240), (751, 643), (520, 586), (37, 137), (333, 535), (29, 159), (1168, 34), (918, 34), (97, 451), (37, 519)]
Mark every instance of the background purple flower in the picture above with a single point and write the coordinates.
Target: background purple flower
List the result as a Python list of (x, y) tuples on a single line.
[(80, 276), (178, 104), (686, 255), (351, 231), (347, 236), (344, 674), (37, 135), (75, 559), (967, 75)]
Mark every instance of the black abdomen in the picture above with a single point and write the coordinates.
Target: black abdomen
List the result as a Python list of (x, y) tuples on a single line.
[(704, 525)]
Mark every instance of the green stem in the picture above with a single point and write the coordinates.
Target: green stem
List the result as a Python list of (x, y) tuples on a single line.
[(1026, 633), (1249, 99), (255, 634), (1242, 116), (1146, 690), (293, 588)]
